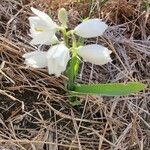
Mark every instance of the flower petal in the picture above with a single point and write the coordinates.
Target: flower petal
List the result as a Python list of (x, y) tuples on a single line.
[(91, 28), (53, 40), (36, 59), (95, 54), (35, 21), (43, 39), (43, 16), (58, 57)]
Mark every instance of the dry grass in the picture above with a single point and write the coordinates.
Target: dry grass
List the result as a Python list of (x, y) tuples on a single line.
[(34, 112)]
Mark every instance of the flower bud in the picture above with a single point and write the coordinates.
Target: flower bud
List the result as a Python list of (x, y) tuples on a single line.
[(90, 28), (63, 17), (95, 54)]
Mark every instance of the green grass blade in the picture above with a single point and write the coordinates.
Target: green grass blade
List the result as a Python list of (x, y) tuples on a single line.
[(110, 89)]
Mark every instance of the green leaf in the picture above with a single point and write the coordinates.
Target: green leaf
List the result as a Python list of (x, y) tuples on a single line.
[(110, 89), (72, 71)]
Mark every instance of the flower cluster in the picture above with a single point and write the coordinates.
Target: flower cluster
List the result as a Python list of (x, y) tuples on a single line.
[(43, 31)]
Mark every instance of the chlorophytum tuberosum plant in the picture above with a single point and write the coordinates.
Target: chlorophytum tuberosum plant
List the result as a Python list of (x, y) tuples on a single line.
[(64, 55)]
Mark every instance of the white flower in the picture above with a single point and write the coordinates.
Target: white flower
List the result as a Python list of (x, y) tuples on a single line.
[(95, 54), (43, 28), (58, 57), (90, 28), (36, 59)]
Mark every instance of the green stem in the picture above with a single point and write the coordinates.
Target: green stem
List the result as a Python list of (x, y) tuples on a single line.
[(74, 42), (65, 37)]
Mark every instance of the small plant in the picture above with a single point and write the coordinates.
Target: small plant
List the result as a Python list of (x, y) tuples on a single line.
[(62, 58)]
